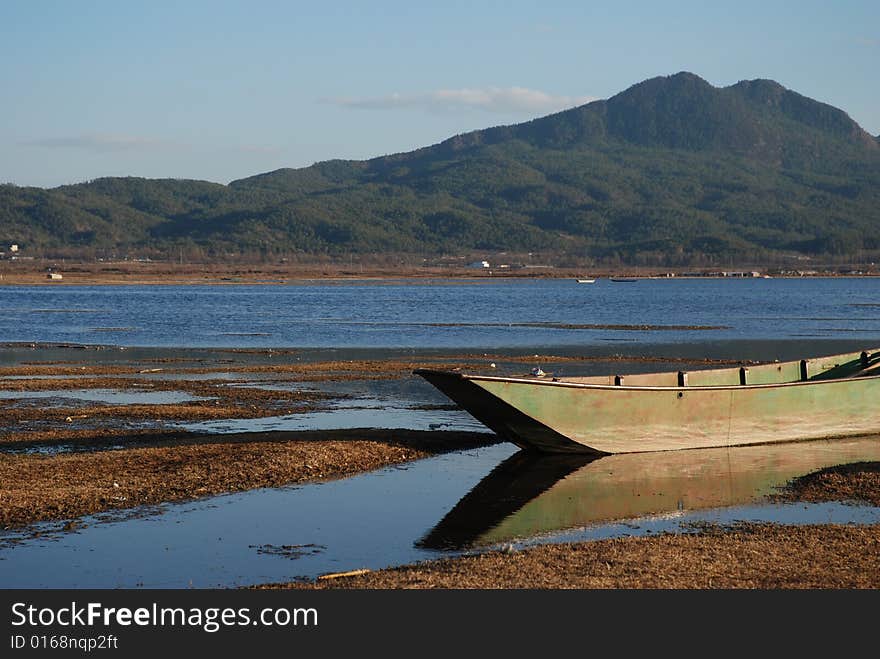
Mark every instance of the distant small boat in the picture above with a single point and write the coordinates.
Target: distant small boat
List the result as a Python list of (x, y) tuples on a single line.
[(814, 398), (586, 281), (624, 279)]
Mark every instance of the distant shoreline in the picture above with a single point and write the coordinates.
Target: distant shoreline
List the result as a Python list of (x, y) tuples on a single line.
[(56, 273)]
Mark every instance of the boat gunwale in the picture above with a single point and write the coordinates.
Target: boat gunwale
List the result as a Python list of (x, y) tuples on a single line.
[(625, 387)]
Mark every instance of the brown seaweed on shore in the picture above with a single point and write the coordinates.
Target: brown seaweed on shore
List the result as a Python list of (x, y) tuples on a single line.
[(743, 556), (190, 465)]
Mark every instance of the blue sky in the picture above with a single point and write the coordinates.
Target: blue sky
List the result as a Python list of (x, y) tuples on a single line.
[(223, 90)]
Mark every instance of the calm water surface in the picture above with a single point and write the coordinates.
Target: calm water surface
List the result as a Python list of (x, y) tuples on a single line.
[(510, 313)]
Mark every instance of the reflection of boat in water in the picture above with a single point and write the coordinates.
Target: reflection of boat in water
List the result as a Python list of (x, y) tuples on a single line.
[(817, 398), (531, 493)]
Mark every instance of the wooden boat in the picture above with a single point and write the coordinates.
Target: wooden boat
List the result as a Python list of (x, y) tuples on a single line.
[(823, 397)]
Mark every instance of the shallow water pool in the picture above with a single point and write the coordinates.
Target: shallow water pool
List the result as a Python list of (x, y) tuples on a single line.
[(444, 505)]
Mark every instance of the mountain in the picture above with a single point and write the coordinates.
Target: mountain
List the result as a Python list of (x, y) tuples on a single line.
[(671, 169)]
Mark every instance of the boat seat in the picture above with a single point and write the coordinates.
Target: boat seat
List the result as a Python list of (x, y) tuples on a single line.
[(870, 365)]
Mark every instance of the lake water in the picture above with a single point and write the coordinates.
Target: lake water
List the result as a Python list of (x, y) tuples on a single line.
[(443, 313)]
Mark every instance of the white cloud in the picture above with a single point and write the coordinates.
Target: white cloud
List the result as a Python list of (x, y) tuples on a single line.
[(490, 99), (102, 142)]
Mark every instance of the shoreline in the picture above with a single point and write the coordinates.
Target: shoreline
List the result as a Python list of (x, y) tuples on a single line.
[(742, 555), (190, 466), (83, 273), (62, 461), (63, 456)]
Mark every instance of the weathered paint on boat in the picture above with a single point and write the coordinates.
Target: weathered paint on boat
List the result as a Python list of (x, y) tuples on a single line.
[(834, 396)]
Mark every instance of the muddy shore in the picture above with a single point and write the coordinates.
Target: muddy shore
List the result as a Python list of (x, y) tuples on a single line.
[(741, 556), (63, 457), (747, 556), (41, 488)]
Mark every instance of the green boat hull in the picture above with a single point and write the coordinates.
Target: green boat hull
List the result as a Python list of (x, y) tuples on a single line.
[(835, 396)]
